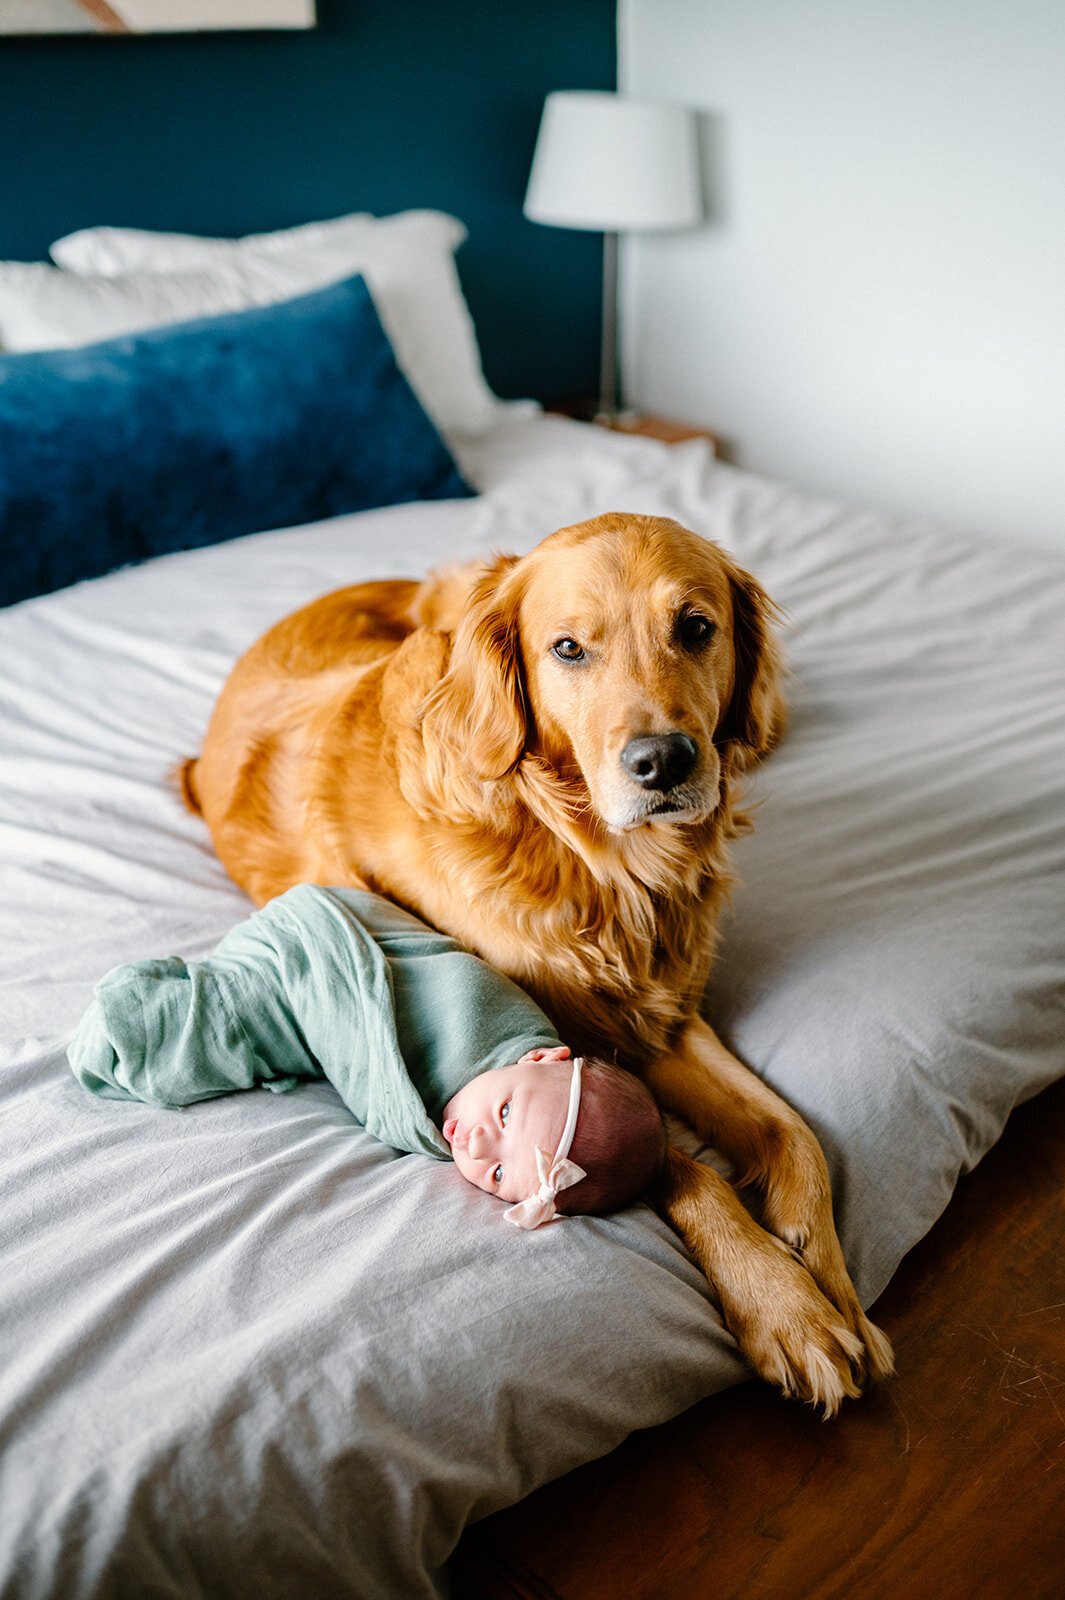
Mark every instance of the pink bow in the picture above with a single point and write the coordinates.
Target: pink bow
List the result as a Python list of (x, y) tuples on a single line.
[(540, 1207)]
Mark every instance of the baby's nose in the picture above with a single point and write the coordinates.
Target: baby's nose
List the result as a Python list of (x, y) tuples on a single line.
[(478, 1142)]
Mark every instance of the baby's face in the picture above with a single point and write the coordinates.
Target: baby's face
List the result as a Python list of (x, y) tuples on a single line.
[(494, 1124)]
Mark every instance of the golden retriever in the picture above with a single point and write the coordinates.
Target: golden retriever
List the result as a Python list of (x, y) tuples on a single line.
[(541, 756)]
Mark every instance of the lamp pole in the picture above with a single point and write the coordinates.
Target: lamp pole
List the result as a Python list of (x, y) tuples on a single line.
[(608, 355)]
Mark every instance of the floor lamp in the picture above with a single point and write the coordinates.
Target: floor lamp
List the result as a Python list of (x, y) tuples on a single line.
[(613, 165)]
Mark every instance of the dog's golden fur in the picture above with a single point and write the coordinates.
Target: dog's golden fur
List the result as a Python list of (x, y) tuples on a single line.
[(457, 745)]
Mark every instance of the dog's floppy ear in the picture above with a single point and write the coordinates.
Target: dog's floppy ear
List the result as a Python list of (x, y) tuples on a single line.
[(474, 722), (756, 715)]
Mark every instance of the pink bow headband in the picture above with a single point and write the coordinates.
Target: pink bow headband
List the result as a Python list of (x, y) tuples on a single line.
[(555, 1172)]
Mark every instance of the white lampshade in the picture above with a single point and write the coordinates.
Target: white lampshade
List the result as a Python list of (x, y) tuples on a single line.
[(603, 161)]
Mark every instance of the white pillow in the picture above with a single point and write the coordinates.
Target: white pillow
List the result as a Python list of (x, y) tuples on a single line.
[(114, 252), (42, 308), (407, 260)]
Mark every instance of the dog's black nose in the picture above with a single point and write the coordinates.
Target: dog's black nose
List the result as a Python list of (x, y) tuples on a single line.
[(660, 761)]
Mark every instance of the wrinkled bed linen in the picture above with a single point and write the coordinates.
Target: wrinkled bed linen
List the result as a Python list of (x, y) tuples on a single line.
[(247, 1348)]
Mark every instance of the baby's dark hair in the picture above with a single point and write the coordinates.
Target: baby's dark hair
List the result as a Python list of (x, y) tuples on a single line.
[(619, 1140)]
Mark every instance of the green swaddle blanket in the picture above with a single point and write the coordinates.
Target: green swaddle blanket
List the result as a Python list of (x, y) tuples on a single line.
[(321, 983)]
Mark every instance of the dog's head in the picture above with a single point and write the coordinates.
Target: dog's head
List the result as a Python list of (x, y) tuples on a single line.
[(629, 657)]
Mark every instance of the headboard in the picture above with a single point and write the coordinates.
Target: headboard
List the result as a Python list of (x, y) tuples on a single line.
[(379, 108)]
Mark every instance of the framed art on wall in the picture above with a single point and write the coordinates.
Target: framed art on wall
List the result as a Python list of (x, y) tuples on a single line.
[(152, 16)]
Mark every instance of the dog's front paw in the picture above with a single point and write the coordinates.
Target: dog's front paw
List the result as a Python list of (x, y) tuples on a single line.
[(879, 1356), (794, 1333), (821, 1255), (799, 1213), (796, 1339)]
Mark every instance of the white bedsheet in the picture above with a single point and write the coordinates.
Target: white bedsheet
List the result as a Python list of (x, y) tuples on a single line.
[(245, 1350)]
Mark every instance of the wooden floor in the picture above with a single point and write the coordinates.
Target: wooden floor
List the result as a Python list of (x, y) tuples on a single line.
[(946, 1484)]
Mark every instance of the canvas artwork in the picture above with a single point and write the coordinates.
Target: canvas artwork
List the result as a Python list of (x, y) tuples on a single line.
[(151, 16)]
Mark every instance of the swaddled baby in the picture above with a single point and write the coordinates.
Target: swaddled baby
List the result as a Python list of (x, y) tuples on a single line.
[(430, 1048)]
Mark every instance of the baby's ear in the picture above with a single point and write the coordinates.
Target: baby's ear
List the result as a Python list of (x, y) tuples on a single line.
[(558, 1052)]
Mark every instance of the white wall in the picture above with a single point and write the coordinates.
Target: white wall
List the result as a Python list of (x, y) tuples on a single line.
[(876, 307)]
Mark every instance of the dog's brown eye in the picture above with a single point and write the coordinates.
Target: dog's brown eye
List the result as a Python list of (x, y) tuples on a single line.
[(695, 629), (568, 650)]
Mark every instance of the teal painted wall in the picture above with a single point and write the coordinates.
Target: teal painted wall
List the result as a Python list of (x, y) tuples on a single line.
[(380, 108)]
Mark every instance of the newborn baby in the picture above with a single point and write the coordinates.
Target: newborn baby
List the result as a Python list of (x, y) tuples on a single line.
[(432, 1050)]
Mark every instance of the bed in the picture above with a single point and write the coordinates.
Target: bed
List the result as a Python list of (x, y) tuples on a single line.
[(249, 1351)]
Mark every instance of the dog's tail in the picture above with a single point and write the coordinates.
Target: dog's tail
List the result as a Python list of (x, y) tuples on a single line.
[(183, 776)]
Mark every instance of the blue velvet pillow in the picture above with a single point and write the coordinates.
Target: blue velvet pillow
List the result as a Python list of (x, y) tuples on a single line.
[(197, 432)]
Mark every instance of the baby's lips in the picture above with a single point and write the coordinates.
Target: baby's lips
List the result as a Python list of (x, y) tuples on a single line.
[(449, 1128)]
